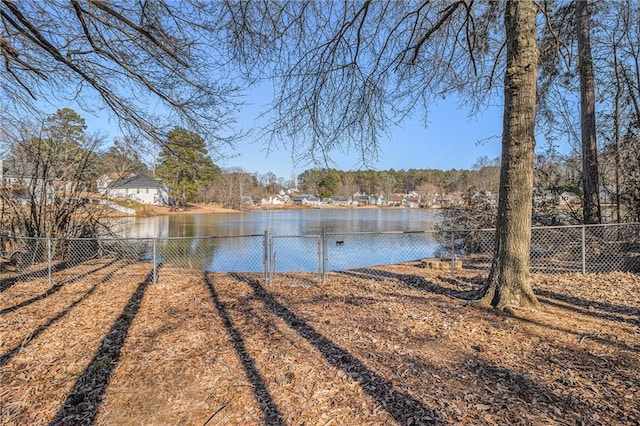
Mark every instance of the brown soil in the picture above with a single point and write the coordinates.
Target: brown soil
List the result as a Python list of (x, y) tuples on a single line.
[(389, 345)]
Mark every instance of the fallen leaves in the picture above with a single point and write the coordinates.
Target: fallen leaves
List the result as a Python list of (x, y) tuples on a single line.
[(393, 344)]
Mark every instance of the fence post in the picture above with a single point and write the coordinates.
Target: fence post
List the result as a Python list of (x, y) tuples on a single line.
[(325, 258), (265, 257), (584, 249), (49, 261), (155, 262)]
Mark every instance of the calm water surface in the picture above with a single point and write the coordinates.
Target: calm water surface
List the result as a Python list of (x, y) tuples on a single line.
[(234, 241), (282, 222)]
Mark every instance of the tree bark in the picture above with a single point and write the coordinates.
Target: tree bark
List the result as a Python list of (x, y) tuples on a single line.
[(590, 187), (509, 280)]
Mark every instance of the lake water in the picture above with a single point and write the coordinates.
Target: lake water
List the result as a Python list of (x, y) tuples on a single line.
[(234, 241)]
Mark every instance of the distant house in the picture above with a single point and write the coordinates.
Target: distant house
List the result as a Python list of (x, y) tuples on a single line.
[(336, 201), (377, 200), (273, 200), (312, 201), (411, 200), (395, 199), (17, 175), (360, 199), (22, 180), (141, 188), (7, 178), (11, 183), (104, 180), (281, 198), (301, 199)]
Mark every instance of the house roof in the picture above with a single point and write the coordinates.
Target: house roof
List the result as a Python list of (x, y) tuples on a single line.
[(7, 169), (140, 181), (110, 177)]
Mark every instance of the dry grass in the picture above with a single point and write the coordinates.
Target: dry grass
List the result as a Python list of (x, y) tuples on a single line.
[(395, 344)]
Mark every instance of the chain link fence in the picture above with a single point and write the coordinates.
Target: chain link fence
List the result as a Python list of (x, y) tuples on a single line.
[(310, 258), (192, 256)]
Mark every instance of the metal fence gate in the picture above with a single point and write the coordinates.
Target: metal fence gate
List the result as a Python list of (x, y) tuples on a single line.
[(304, 255)]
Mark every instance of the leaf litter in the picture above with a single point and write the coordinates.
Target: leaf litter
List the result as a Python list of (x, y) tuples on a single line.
[(395, 344)]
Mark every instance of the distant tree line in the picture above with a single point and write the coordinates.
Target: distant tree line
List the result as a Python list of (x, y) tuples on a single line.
[(328, 182)]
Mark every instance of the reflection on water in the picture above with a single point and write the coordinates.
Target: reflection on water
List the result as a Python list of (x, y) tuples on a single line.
[(228, 254), (281, 222), (234, 241)]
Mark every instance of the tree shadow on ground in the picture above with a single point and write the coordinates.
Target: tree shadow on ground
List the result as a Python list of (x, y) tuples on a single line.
[(411, 280), (589, 312), (269, 409), (507, 384), (563, 398), (83, 402), (579, 380), (612, 311), (590, 306), (301, 279), (5, 358), (400, 405), (54, 289), (580, 336), (477, 281), (7, 283)]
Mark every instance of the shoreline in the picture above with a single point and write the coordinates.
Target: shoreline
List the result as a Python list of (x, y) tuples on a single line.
[(196, 208), (192, 209)]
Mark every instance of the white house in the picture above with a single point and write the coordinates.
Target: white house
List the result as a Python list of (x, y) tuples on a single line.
[(104, 180), (141, 188), (312, 201), (273, 200)]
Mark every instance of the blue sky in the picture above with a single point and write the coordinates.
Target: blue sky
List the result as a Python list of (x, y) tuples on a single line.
[(451, 140)]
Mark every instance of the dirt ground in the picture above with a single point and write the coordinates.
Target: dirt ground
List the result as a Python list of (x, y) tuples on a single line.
[(390, 345)]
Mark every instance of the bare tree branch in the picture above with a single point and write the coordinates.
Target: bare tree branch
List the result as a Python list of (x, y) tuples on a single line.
[(132, 55)]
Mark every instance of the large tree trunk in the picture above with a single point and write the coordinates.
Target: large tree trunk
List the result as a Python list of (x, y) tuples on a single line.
[(509, 280), (590, 187)]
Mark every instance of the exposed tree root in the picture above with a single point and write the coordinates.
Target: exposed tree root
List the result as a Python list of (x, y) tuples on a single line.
[(507, 298)]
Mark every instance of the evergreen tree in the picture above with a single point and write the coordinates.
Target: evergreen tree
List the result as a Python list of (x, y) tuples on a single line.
[(185, 165)]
